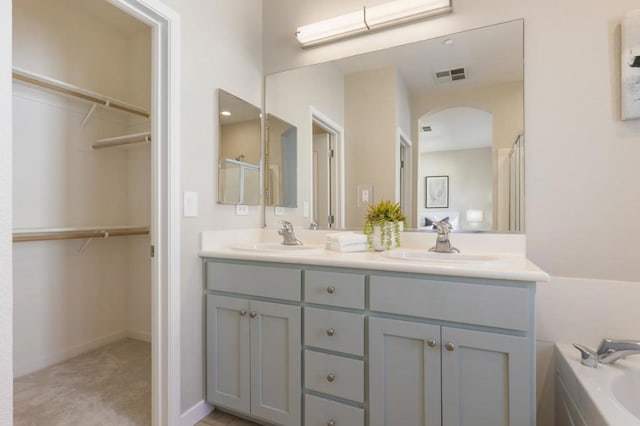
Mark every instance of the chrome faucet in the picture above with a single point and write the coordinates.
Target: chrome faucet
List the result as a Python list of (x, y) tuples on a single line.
[(608, 352), (288, 236), (443, 245)]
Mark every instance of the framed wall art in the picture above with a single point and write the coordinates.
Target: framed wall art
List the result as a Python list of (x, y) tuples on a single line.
[(630, 66), (437, 195)]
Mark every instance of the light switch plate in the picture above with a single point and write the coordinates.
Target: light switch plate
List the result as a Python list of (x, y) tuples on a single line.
[(242, 210), (365, 195), (190, 206), (279, 211)]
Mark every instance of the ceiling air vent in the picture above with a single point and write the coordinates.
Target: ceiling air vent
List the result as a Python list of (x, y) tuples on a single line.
[(426, 128), (450, 75)]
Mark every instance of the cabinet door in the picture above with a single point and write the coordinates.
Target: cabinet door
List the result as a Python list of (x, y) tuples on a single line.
[(228, 357), (275, 362), (486, 379), (404, 373)]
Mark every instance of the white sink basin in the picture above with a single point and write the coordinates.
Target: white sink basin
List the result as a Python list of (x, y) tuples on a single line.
[(277, 247), (428, 256), (626, 389)]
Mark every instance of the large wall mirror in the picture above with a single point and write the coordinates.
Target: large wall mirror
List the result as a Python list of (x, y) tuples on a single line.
[(239, 150), (436, 125)]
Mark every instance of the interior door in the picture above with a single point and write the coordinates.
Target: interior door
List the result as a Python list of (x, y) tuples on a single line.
[(324, 182), (275, 362), (404, 373), (485, 379), (228, 346)]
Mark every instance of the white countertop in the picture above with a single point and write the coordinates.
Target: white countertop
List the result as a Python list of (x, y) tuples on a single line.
[(509, 266)]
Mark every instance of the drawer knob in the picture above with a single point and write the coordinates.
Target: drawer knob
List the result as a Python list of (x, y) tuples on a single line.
[(331, 289), (252, 314), (243, 313), (331, 377), (431, 343), (331, 423), (450, 346), (331, 332)]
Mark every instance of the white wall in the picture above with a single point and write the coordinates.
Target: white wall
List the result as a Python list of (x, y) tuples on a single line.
[(470, 183), (6, 284), (66, 301), (320, 88), (221, 47)]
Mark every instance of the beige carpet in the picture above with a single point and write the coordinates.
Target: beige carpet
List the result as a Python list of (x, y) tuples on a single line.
[(108, 386)]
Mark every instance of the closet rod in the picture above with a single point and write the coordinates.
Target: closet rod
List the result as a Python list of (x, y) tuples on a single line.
[(71, 234), (122, 140), (70, 89)]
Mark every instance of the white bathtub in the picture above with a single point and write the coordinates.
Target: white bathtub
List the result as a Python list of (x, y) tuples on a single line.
[(607, 395)]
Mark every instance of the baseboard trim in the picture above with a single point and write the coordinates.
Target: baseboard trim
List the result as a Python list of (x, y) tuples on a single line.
[(23, 365), (139, 335), (195, 413)]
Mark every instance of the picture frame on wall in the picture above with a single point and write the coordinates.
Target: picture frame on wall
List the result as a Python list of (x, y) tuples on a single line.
[(437, 192), (630, 66)]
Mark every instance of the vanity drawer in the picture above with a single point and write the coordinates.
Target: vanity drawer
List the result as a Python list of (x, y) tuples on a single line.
[(334, 288), (320, 412), (335, 331), (254, 280), (480, 304), (334, 375)]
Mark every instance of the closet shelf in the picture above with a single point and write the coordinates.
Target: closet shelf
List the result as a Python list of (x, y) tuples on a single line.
[(122, 141), (71, 90), (44, 234)]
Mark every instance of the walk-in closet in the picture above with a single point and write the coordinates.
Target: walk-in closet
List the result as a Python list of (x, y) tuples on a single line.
[(81, 214)]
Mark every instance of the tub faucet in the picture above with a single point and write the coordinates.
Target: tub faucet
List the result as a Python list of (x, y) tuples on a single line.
[(443, 245), (608, 352), (288, 236)]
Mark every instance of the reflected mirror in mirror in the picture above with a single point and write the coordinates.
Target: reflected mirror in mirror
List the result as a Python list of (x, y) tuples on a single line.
[(239, 152), (281, 163), (450, 106)]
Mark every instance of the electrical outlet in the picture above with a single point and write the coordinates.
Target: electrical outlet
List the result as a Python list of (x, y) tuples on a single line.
[(305, 209), (279, 211), (242, 210)]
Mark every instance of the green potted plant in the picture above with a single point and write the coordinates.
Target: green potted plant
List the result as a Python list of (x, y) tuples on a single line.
[(383, 225)]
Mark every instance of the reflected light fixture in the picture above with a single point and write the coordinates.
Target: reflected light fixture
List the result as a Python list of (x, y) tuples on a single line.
[(225, 113), (371, 18)]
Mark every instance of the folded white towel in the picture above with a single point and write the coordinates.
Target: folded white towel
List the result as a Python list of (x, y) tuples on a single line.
[(348, 248), (344, 239)]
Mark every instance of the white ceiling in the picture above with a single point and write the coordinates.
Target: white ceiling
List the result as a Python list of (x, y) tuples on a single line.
[(240, 110), (456, 128), (491, 55)]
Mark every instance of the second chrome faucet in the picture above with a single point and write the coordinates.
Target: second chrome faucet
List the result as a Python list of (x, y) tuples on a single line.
[(608, 352)]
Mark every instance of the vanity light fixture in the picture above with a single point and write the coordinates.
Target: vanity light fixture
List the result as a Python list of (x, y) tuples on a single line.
[(225, 113), (371, 18)]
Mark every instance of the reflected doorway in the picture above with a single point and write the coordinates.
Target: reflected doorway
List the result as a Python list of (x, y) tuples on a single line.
[(324, 177)]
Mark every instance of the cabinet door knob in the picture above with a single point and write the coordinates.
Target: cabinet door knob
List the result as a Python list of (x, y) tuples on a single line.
[(330, 332), (331, 423), (331, 377), (243, 313), (450, 346), (331, 289), (431, 343), (252, 314)]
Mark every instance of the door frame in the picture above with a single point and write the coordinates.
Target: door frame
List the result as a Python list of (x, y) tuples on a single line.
[(165, 205), (336, 131), (403, 140)]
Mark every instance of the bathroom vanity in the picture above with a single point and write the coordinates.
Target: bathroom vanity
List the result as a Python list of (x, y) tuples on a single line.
[(360, 339)]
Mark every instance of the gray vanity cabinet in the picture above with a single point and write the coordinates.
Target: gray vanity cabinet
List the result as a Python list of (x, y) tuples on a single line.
[(425, 374), (254, 346), (379, 348)]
